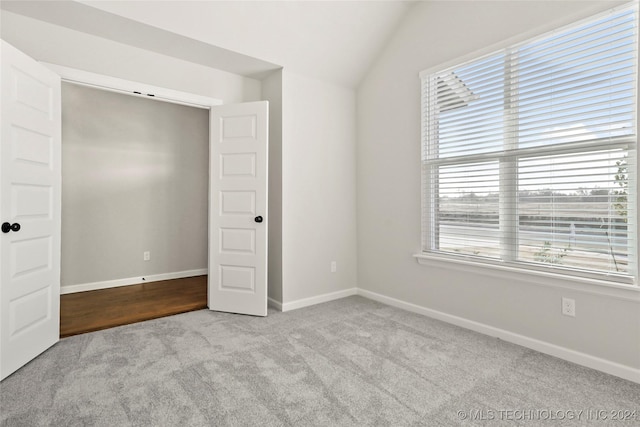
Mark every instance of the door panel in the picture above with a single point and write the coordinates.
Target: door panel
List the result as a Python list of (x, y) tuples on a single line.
[(237, 203), (29, 196), (237, 240), (238, 194)]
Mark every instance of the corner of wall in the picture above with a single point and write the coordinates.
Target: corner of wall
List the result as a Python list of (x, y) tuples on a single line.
[(272, 92), (319, 190)]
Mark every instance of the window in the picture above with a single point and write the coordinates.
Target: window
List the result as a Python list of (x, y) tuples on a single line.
[(529, 153)]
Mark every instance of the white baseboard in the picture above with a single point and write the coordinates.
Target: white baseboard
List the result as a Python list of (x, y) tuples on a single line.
[(593, 362), (305, 302), (130, 281), (275, 304)]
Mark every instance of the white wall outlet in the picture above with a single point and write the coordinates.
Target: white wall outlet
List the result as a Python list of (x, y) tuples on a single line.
[(334, 266), (146, 255), (569, 307)]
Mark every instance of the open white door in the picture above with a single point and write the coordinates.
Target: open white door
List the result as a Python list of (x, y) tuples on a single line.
[(29, 209), (238, 208)]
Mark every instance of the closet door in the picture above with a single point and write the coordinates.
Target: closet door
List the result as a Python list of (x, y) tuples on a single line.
[(238, 208), (29, 209)]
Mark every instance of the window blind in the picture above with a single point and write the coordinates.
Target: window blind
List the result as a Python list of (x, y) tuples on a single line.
[(529, 153)]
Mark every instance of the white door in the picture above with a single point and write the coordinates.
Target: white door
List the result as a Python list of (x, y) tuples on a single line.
[(29, 209), (238, 208)]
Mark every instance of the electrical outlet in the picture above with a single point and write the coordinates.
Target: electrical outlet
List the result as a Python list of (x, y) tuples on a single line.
[(569, 307), (334, 266), (146, 256)]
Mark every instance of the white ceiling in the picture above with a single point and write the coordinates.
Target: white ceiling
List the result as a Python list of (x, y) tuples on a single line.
[(335, 41)]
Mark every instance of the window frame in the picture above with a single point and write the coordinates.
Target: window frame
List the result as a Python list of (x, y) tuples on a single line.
[(509, 261)]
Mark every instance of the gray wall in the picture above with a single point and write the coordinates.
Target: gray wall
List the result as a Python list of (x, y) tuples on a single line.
[(62, 46), (607, 322), (318, 188), (135, 178)]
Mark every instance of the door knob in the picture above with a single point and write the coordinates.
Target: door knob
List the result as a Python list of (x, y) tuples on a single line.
[(7, 227), (258, 219)]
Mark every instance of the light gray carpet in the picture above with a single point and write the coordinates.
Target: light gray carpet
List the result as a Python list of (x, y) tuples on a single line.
[(350, 362)]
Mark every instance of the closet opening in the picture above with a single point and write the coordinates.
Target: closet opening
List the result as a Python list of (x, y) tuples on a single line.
[(135, 194)]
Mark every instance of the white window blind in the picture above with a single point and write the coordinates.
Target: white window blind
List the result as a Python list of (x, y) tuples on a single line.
[(529, 154)]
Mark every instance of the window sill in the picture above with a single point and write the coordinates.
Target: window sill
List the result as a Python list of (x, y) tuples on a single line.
[(554, 280)]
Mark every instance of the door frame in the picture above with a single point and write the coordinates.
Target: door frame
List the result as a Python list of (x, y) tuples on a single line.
[(132, 88), (137, 89)]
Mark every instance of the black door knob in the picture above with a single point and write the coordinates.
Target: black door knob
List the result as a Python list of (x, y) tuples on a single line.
[(7, 227), (258, 219)]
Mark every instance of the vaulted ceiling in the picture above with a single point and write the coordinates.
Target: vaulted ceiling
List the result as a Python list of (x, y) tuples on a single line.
[(334, 41)]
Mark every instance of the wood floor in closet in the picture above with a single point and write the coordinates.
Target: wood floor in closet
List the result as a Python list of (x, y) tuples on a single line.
[(95, 310)]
